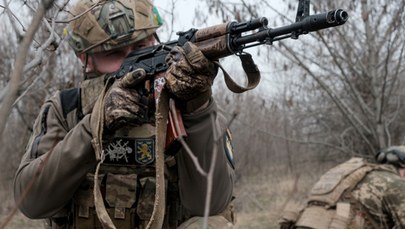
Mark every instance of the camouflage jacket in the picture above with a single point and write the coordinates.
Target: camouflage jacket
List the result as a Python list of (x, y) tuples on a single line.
[(382, 194), (59, 155), (354, 194)]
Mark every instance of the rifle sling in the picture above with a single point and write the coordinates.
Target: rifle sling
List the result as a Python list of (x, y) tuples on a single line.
[(159, 206), (251, 70), (97, 125)]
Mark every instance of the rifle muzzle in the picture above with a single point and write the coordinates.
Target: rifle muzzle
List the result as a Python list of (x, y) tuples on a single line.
[(337, 16)]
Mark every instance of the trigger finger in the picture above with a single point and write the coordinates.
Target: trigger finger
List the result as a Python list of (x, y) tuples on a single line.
[(133, 78)]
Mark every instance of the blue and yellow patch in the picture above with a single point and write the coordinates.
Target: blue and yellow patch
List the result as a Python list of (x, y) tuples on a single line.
[(144, 151), (229, 147)]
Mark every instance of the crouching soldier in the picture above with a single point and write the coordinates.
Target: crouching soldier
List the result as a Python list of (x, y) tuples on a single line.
[(356, 194)]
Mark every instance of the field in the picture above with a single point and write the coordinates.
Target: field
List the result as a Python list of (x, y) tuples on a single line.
[(260, 200)]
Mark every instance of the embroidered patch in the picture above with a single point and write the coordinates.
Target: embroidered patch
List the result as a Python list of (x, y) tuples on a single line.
[(144, 151), (229, 148), (130, 151), (118, 151)]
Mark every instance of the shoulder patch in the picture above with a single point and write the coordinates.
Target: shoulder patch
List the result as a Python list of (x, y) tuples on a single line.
[(70, 99), (229, 148)]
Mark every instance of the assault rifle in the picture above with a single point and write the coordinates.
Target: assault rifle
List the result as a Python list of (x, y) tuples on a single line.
[(227, 39)]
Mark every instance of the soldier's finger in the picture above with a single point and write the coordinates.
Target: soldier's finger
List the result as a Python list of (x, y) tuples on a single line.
[(133, 78)]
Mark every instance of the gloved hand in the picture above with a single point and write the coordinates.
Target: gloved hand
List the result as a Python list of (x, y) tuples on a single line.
[(190, 73), (123, 103)]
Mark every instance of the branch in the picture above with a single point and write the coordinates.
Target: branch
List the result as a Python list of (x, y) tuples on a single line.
[(345, 110), (392, 24), (356, 96), (15, 77), (341, 149), (12, 15)]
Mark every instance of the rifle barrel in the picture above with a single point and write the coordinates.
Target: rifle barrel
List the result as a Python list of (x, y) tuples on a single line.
[(307, 24), (313, 23)]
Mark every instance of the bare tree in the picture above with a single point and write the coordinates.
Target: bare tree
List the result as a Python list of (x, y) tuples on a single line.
[(31, 70), (346, 89), (341, 90), (358, 68)]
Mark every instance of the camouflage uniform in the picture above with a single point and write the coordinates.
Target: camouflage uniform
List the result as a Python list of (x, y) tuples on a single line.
[(58, 170), (382, 194), (60, 146), (354, 194)]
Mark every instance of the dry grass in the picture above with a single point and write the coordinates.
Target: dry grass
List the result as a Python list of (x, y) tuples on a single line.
[(260, 199)]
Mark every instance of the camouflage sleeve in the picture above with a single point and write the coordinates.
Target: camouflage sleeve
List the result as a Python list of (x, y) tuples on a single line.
[(382, 193), (192, 185), (55, 161)]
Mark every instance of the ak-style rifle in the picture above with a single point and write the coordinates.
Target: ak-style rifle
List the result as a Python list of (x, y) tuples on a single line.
[(227, 39), (231, 38)]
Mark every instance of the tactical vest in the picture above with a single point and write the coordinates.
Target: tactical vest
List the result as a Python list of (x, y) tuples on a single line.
[(127, 182), (330, 204), (126, 177)]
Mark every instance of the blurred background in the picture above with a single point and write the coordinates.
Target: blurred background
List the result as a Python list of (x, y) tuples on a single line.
[(323, 98)]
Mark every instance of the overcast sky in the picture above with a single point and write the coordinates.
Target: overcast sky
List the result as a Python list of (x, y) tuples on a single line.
[(184, 12), (184, 19)]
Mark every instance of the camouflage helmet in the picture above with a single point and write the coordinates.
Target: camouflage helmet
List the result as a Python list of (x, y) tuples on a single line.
[(103, 25), (394, 155)]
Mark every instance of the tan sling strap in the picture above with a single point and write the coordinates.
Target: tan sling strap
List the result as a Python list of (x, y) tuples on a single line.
[(251, 70), (162, 111), (97, 125)]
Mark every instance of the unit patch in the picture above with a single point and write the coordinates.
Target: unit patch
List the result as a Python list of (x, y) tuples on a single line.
[(118, 150), (144, 151), (229, 148), (139, 151)]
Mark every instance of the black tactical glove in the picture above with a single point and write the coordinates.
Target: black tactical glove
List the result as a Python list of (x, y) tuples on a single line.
[(190, 75), (123, 102)]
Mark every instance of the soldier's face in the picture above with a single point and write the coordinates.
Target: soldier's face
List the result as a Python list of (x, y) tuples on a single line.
[(111, 61)]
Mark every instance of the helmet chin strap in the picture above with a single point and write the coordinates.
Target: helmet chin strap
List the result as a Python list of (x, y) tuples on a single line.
[(90, 72), (86, 60), (157, 38)]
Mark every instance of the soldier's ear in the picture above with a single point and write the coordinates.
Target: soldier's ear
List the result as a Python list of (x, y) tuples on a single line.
[(87, 61), (402, 173)]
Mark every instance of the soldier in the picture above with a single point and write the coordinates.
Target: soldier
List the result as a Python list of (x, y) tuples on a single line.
[(55, 178), (356, 194)]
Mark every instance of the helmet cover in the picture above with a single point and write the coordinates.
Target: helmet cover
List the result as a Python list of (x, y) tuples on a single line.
[(97, 26)]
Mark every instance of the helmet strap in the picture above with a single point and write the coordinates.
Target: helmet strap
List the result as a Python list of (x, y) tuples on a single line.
[(89, 74), (86, 61), (157, 38)]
